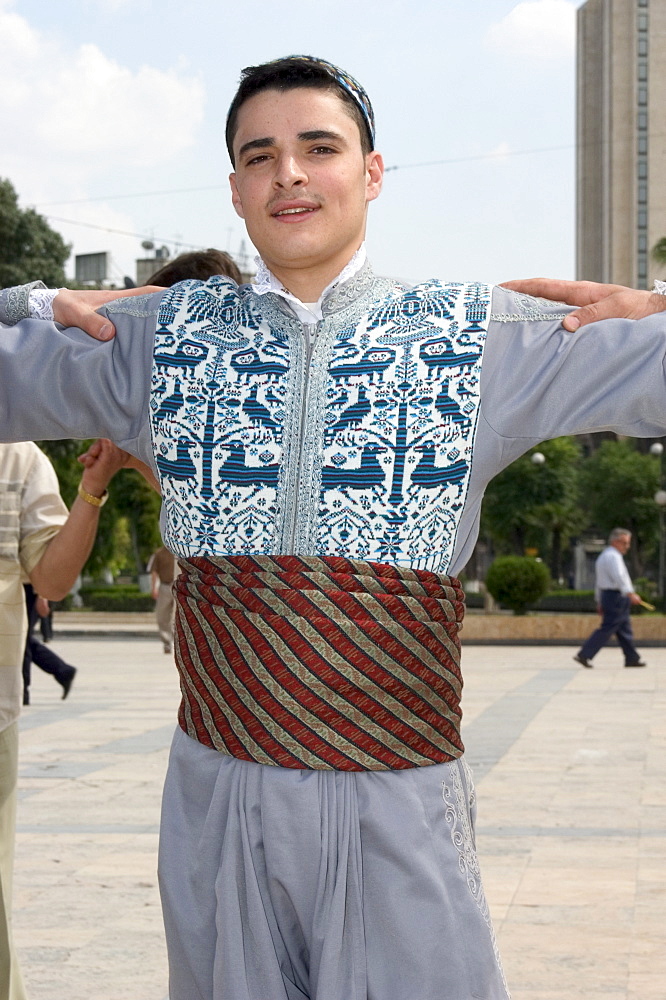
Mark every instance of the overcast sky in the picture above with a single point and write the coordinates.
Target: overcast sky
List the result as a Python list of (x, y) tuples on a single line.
[(112, 116)]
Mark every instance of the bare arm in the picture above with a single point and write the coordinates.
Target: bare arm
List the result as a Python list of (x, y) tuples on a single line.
[(126, 460), (597, 301), (67, 552)]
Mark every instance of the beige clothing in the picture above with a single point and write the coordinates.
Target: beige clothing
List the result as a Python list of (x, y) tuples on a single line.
[(164, 612), (31, 513), (11, 981), (163, 567), (163, 563)]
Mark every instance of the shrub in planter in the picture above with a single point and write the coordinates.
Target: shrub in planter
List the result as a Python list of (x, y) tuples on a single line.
[(117, 599), (517, 581)]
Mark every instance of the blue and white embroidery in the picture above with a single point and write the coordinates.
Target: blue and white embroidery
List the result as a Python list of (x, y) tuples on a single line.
[(362, 449)]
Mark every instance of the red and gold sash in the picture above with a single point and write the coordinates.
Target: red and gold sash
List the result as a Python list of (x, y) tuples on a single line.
[(312, 662)]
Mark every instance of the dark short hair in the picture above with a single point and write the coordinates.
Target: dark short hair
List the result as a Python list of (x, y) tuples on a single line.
[(200, 264), (290, 74)]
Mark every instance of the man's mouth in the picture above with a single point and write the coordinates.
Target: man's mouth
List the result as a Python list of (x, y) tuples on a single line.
[(293, 211)]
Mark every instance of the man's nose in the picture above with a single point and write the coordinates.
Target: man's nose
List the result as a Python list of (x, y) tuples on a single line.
[(290, 172)]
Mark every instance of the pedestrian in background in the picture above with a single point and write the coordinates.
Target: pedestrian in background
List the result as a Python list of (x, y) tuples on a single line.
[(162, 568), (614, 593)]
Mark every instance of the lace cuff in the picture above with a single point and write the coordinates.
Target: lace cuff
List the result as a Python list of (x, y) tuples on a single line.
[(40, 303), (15, 302)]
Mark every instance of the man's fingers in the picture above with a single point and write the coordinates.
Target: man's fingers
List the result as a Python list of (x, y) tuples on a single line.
[(77, 308), (574, 293), (624, 304)]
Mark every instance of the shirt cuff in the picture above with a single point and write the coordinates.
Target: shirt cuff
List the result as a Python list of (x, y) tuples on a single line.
[(40, 303), (15, 302)]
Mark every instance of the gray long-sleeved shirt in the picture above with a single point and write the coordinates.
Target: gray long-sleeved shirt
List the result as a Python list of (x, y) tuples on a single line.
[(537, 381)]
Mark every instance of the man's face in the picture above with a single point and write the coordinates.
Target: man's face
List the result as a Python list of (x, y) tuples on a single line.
[(302, 182), (623, 543)]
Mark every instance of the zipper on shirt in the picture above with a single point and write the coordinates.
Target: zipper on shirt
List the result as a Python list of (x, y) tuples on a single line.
[(310, 332)]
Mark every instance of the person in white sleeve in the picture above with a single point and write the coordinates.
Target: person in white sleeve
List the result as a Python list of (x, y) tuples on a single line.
[(614, 594)]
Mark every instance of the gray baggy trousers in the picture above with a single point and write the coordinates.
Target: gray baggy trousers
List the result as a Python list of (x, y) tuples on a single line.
[(281, 884)]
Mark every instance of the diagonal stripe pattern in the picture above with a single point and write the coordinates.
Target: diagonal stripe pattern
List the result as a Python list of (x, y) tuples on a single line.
[(326, 663)]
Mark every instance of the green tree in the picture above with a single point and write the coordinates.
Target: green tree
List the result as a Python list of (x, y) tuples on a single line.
[(619, 484), (537, 506), (29, 248), (659, 251), (134, 500)]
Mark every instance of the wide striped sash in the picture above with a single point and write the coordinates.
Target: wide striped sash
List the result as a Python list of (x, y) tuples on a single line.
[(312, 662)]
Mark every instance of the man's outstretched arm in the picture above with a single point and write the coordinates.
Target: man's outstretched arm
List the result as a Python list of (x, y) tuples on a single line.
[(65, 306), (59, 383), (596, 301)]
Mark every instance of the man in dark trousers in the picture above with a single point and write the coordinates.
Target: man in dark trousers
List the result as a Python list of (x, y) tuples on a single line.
[(615, 594), (38, 652)]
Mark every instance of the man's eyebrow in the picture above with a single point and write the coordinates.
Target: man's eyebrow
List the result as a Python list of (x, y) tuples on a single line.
[(257, 144), (320, 134), (313, 135)]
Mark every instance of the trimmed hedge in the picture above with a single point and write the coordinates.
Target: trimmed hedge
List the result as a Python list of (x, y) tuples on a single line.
[(125, 597), (517, 582)]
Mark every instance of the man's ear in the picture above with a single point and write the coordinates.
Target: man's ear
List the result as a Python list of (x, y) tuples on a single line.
[(374, 172), (235, 196)]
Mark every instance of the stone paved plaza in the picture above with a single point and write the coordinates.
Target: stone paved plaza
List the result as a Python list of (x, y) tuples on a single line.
[(570, 768)]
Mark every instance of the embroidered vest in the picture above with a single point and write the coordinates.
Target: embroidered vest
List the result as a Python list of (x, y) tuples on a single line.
[(359, 446)]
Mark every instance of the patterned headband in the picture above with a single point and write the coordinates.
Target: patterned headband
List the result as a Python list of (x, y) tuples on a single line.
[(352, 87)]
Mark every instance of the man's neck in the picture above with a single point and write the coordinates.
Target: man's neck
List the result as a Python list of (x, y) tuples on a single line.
[(308, 283)]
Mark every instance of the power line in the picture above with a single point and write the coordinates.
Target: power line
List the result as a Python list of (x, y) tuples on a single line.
[(498, 154), (136, 194), (124, 232)]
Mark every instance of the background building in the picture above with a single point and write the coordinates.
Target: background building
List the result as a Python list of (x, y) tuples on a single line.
[(621, 140)]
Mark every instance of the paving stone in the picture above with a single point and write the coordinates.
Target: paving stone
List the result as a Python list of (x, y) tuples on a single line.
[(569, 767)]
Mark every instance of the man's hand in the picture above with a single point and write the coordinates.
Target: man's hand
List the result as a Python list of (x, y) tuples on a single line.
[(104, 454), (597, 301), (635, 598), (72, 308), (42, 607), (100, 464)]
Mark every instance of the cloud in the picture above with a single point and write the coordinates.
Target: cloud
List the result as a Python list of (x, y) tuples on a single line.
[(81, 104), (74, 120), (501, 152), (535, 29)]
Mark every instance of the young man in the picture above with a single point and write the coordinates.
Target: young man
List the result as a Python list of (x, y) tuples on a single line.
[(323, 439)]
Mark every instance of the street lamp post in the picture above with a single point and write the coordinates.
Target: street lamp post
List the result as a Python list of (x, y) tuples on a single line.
[(657, 449)]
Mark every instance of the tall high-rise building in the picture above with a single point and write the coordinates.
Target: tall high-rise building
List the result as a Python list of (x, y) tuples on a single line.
[(621, 140)]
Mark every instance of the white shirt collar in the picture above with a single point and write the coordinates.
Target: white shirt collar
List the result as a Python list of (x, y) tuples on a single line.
[(307, 312)]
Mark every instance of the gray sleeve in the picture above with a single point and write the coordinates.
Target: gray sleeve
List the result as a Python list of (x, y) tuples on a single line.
[(60, 383), (539, 382)]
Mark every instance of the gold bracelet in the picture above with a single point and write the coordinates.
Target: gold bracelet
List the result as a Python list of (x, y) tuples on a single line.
[(91, 498)]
